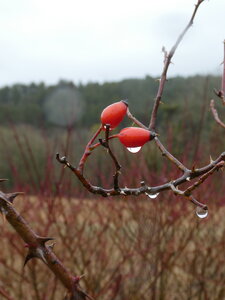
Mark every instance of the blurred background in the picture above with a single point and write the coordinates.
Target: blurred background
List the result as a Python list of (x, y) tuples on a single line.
[(61, 64)]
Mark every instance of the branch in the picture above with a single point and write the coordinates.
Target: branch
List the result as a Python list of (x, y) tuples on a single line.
[(187, 174), (215, 113), (37, 248), (88, 150), (168, 155), (143, 189), (117, 165), (167, 62)]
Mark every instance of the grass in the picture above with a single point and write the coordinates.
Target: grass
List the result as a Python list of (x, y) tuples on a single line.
[(128, 249)]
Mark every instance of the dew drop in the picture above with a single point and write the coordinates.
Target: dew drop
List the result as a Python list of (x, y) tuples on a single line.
[(201, 212), (152, 196), (134, 149)]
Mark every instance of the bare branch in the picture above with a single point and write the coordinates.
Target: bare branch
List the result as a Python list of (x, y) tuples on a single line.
[(218, 166), (88, 149), (168, 155), (167, 61), (215, 113)]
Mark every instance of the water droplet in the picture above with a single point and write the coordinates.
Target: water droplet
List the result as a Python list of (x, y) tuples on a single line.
[(134, 149), (152, 196), (188, 178), (201, 212)]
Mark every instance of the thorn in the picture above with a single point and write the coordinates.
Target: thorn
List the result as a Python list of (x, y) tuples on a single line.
[(29, 256), (3, 197), (40, 254), (193, 168), (52, 245), (12, 196), (34, 252), (78, 278), (43, 240), (210, 159)]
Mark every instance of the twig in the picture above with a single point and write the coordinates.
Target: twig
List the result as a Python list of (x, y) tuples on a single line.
[(218, 166), (189, 197), (167, 62), (87, 150), (168, 155), (136, 121), (117, 165), (189, 174), (215, 113)]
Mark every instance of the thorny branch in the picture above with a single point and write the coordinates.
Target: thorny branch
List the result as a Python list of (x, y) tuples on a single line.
[(187, 174), (167, 61), (220, 94), (37, 247)]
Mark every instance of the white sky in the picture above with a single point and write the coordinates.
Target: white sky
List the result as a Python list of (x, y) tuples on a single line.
[(100, 40)]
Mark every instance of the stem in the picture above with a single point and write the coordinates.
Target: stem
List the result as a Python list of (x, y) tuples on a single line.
[(87, 150), (169, 155), (117, 165), (215, 114), (167, 62), (223, 76)]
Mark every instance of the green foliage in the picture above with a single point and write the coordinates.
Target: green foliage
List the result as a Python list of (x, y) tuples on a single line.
[(27, 103)]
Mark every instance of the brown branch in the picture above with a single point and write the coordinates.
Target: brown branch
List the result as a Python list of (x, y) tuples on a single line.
[(221, 93), (189, 197), (215, 113), (168, 155), (117, 165), (37, 248), (87, 150), (188, 175), (136, 121), (218, 166), (223, 76), (167, 61)]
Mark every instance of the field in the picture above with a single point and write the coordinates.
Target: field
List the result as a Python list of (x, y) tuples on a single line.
[(127, 249)]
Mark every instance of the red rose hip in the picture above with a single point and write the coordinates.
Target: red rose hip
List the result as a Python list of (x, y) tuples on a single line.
[(114, 114), (134, 137)]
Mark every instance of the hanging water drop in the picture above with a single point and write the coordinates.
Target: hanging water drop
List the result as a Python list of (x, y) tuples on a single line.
[(134, 149), (201, 212), (152, 196)]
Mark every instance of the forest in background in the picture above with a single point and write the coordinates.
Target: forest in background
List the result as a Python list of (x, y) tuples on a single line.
[(37, 120), (26, 104)]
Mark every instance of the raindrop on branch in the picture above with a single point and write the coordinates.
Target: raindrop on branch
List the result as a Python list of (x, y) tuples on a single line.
[(134, 149), (152, 196), (201, 212)]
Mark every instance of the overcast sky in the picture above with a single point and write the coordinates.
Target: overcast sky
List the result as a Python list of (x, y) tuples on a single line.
[(100, 40)]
